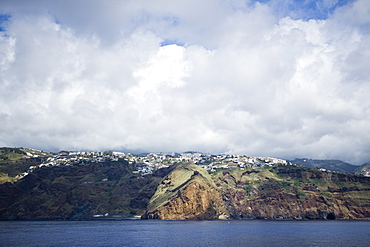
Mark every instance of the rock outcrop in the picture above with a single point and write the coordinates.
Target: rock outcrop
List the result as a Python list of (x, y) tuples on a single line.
[(188, 193)]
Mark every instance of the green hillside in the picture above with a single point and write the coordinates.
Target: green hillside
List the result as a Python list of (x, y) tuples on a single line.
[(15, 161), (78, 192)]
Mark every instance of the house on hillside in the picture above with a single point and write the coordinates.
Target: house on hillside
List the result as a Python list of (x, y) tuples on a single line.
[(63, 154)]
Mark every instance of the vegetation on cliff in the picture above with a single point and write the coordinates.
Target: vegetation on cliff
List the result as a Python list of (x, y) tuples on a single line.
[(16, 161), (78, 192), (294, 192), (120, 187), (188, 192), (278, 192)]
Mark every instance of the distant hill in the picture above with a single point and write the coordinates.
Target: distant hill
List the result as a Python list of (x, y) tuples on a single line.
[(332, 165)]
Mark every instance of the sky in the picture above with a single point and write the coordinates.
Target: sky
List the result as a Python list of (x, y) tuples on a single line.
[(279, 78)]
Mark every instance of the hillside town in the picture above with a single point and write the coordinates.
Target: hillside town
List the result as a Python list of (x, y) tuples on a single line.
[(148, 163)]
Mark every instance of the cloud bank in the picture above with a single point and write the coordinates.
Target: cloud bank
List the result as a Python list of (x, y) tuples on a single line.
[(245, 77)]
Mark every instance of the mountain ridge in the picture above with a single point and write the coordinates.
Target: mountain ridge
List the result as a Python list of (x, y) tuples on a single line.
[(333, 165)]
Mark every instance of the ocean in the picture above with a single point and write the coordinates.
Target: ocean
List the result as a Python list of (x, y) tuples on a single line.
[(184, 233)]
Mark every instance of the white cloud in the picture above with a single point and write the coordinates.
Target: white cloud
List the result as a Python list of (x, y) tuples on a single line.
[(238, 77)]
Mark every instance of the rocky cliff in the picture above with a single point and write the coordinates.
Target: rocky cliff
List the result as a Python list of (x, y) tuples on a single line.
[(188, 193), (281, 192), (295, 193)]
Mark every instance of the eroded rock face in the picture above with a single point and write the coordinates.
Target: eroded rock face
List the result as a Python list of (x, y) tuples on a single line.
[(188, 193), (284, 206), (308, 196), (282, 193)]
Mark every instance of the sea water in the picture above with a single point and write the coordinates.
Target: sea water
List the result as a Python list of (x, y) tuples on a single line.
[(184, 233)]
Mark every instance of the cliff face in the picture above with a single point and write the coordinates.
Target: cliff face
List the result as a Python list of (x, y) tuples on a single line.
[(281, 205), (295, 193), (188, 193), (285, 192)]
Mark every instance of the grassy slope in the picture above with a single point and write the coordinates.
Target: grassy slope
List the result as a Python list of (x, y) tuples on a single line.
[(286, 177), (171, 184), (187, 193), (15, 161)]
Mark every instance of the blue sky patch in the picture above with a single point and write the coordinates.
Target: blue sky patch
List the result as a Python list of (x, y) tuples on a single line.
[(3, 20), (305, 9), (171, 42)]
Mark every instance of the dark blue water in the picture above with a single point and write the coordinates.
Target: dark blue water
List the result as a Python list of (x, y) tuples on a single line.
[(184, 233)]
